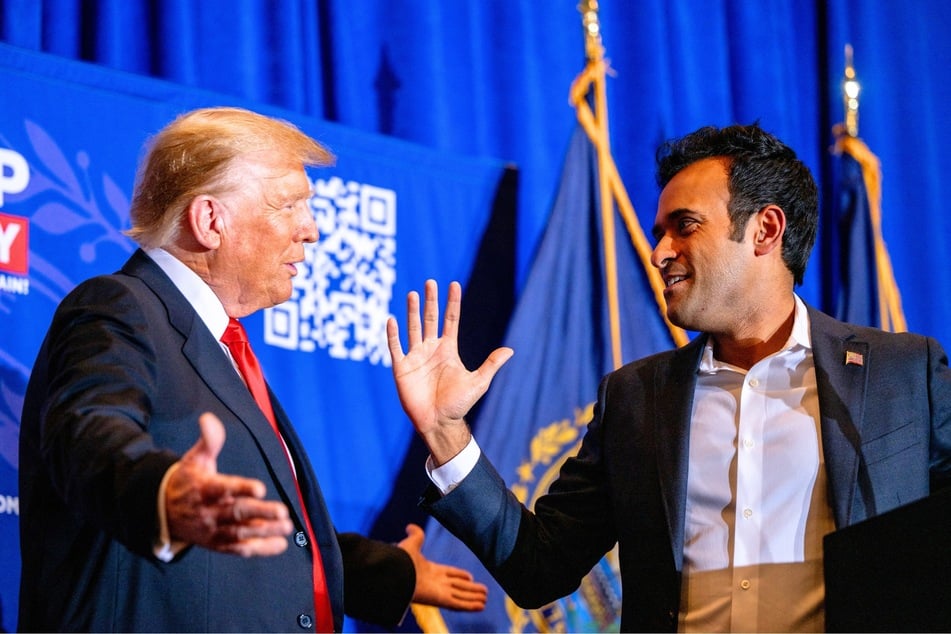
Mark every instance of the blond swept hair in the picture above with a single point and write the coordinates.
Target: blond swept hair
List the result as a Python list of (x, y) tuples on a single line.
[(193, 155)]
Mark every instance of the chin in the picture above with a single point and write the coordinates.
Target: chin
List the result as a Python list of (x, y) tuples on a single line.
[(681, 320)]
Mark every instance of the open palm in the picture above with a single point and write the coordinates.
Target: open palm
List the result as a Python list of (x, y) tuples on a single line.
[(434, 386)]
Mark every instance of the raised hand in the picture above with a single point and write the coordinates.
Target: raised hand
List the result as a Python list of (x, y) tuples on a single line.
[(438, 584), (434, 386), (221, 512)]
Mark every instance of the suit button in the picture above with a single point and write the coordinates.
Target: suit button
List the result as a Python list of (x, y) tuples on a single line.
[(300, 538), (305, 621)]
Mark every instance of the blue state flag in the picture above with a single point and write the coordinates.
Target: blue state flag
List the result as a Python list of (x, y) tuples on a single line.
[(535, 413), (854, 278), (862, 288)]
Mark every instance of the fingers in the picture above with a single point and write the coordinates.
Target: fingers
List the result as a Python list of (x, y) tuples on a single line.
[(413, 330), (425, 328), (251, 528), (260, 531), (453, 588), (431, 311), (261, 547), (393, 340), (468, 597), (215, 512), (255, 512), (453, 310), (219, 486), (419, 331)]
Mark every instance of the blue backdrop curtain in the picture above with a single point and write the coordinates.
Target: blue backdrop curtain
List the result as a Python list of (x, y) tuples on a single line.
[(490, 78)]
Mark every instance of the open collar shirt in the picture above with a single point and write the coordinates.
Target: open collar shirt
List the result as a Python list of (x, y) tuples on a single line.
[(757, 503)]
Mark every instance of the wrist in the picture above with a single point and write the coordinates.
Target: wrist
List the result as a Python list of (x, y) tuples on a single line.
[(445, 443)]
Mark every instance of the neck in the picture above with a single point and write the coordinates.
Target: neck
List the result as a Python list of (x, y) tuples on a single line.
[(759, 337)]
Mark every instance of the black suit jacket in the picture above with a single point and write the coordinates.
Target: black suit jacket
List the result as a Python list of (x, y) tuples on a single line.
[(886, 438), (113, 400)]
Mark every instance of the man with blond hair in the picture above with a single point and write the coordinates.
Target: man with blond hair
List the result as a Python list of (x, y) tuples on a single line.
[(160, 479)]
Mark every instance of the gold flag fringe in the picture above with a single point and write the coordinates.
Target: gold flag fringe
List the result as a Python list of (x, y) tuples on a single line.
[(889, 297)]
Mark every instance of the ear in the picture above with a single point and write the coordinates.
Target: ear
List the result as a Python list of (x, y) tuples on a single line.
[(769, 226), (205, 221)]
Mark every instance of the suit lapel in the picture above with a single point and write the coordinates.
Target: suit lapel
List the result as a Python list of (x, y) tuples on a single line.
[(674, 386), (841, 362), (204, 353)]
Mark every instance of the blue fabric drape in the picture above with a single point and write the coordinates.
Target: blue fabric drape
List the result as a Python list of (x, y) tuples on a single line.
[(490, 78)]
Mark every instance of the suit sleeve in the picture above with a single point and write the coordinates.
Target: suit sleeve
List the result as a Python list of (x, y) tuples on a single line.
[(940, 394), (96, 372), (543, 555), (379, 579)]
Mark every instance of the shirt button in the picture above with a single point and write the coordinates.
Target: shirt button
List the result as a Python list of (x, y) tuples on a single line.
[(745, 584), (748, 443), (305, 621), (747, 513), (754, 382), (300, 538)]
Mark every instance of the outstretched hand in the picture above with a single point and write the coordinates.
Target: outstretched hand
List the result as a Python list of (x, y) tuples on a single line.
[(441, 585), (221, 512), (434, 386)]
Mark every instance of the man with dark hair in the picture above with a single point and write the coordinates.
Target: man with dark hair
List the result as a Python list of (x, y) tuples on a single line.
[(719, 467)]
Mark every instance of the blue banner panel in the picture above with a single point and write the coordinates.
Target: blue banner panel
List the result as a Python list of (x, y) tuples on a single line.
[(390, 214)]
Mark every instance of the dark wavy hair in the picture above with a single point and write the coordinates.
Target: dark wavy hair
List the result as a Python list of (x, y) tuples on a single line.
[(762, 171)]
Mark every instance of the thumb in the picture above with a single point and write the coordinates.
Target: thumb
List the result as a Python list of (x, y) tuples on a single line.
[(493, 364), (414, 537), (205, 451)]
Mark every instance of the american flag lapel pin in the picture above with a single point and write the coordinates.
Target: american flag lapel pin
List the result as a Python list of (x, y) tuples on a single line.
[(854, 358)]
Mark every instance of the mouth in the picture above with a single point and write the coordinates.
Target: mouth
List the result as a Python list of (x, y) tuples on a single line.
[(672, 280)]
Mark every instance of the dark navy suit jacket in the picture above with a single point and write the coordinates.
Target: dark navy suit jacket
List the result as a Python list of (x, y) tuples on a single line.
[(113, 400), (886, 438)]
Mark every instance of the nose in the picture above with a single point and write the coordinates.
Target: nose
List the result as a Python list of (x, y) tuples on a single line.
[(307, 225), (662, 253)]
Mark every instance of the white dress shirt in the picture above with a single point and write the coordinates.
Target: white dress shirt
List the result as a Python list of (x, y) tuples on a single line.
[(757, 505)]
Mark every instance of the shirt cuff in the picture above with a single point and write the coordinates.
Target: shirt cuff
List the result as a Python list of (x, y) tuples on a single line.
[(164, 548), (446, 477)]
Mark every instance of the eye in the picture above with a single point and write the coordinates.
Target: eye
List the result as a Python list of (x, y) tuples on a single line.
[(686, 226)]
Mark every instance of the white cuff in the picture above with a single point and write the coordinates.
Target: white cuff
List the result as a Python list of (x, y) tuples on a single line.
[(164, 548), (449, 475)]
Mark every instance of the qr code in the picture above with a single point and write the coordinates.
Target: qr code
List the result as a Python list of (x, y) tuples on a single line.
[(342, 292)]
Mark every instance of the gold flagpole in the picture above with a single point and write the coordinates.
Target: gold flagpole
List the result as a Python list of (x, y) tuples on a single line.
[(594, 52), (848, 141), (595, 124)]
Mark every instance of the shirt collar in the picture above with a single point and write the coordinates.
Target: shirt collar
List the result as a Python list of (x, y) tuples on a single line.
[(198, 294), (800, 337)]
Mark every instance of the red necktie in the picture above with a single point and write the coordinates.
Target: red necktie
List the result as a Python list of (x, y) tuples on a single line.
[(236, 339)]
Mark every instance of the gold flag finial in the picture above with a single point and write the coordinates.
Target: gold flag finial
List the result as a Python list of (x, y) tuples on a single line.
[(592, 29), (850, 95)]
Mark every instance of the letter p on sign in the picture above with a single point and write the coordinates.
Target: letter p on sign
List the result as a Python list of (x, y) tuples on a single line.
[(14, 173)]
